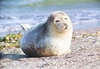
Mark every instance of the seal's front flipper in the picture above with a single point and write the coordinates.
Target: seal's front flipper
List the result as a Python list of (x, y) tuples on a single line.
[(25, 27)]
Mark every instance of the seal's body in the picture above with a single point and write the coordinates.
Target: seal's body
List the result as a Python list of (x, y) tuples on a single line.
[(49, 39)]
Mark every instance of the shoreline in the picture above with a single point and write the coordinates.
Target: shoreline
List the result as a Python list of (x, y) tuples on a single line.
[(86, 30), (76, 31)]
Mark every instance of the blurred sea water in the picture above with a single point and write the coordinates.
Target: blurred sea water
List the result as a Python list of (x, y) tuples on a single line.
[(13, 13)]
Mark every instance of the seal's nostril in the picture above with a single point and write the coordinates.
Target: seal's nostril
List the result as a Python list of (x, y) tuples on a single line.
[(65, 24)]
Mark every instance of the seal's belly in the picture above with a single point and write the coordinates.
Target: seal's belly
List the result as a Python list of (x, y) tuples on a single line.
[(52, 47)]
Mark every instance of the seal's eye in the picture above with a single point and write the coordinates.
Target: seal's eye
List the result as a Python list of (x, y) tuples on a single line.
[(57, 21), (65, 18)]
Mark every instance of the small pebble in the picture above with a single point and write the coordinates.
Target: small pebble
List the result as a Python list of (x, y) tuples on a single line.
[(96, 42), (98, 32), (91, 55), (78, 36)]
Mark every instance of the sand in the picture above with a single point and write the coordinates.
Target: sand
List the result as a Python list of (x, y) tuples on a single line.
[(85, 54)]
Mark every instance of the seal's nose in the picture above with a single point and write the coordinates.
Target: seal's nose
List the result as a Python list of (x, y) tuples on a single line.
[(66, 25)]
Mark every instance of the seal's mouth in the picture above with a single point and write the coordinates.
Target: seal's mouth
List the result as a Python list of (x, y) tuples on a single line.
[(66, 26)]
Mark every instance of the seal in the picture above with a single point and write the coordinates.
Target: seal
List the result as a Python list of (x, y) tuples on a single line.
[(51, 38)]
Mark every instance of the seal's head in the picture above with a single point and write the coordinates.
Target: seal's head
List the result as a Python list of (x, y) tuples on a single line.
[(60, 21)]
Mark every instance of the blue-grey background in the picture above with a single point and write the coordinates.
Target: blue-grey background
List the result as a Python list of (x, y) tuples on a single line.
[(83, 13)]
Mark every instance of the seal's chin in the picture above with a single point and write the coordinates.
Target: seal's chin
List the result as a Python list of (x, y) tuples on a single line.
[(62, 26)]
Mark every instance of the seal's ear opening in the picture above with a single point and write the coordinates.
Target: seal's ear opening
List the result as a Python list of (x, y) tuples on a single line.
[(66, 18)]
